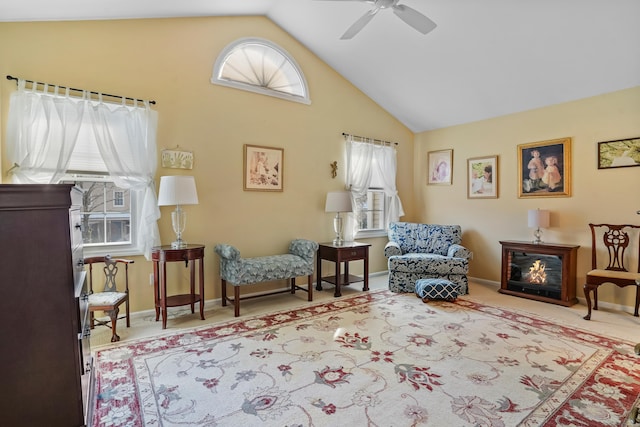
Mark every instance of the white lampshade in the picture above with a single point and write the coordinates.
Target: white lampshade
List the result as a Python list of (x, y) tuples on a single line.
[(177, 190), (338, 201), (538, 218)]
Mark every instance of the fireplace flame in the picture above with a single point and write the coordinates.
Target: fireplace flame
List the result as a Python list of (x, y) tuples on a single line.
[(537, 273)]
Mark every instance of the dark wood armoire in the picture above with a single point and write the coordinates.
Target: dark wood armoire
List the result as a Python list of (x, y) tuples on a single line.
[(45, 363)]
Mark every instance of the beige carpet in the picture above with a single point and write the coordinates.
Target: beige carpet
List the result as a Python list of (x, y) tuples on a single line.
[(376, 358)]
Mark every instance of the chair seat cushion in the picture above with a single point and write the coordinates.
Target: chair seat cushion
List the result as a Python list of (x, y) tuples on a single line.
[(436, 289), (625, 275), (428, 263), (101, 299)]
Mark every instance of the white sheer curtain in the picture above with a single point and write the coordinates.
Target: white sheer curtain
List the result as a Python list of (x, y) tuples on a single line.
[(387, 162), (126, 138), (41, 133), (366, 160)]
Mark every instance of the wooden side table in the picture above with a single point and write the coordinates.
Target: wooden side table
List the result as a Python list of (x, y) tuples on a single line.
[(161, 255), (348, 251)]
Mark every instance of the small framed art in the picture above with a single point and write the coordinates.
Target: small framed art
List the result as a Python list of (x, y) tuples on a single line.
[(177, 159), (440, 167), (544, 169), (482, 177), (263, 168), (620, 153)]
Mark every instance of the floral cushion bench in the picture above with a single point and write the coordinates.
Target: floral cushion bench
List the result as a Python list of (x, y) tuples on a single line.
[(238, 271)]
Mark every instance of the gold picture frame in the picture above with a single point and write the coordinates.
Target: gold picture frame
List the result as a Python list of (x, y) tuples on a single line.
[(263, 168), (482, 177), (544, 169), (440, 167)]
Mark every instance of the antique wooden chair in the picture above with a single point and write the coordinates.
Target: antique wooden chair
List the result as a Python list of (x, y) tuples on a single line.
[(109, 299), (614, 240)]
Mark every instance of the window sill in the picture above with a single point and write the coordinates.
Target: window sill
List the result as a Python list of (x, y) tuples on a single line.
[(370, 234), (108, 250)]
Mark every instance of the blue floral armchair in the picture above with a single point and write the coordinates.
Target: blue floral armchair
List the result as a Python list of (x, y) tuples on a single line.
[(426, 251)]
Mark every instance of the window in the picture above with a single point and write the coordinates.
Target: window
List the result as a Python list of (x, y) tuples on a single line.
[(108, 149), (106, 208), (371, 176), (260, 66), (371, 212), (118, 199), (106, 221)]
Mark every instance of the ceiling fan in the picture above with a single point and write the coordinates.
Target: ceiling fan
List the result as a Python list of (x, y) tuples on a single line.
[(409, 15)]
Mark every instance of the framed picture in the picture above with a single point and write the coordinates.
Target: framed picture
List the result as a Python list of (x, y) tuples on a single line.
[(482, 177), (620, 153), (263, 168), (439, 167), (544, 168), (177, 159)]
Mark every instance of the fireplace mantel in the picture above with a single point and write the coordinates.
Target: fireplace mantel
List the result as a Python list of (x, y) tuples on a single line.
[(523, 263)]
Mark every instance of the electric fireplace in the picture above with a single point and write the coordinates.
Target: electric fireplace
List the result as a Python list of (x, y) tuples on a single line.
[(543, 272)]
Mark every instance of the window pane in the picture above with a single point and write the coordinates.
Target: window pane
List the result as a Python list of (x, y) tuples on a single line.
[(92, 229), (117, 229), (371, 211), (118, 199), (258, 65), (106, 213)]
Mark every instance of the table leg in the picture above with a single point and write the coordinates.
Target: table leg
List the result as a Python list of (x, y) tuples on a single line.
[(346, 273), (319, 272), (201, 289), (337, 293), (163, 295), (156, 289), (366, 270), (192, 284)]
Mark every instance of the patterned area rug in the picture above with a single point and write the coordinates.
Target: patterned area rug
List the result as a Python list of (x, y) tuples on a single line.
[(376, 359)]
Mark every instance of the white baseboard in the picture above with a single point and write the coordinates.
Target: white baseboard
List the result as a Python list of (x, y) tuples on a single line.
[(492, 283)]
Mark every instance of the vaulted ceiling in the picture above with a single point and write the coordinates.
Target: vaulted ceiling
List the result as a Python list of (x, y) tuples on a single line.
[(486, 58)]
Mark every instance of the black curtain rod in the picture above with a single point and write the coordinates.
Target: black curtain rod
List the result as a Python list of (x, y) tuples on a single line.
[(370, 139), (79, 90)]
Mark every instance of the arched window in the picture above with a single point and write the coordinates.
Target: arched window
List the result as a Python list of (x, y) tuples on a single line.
[(258, 65)]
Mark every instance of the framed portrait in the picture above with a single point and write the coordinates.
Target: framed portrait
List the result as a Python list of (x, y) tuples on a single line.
[(177, 159), (439, 167), (620, 153), (263, 168), (544, 169), (482, 177)]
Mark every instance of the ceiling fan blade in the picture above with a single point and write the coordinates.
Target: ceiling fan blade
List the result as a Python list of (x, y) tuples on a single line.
[(414, 18), (359, 24), (363, 1)]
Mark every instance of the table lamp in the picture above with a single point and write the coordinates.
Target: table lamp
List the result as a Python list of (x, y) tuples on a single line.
[(538, 218), (178, 190), (338, 202)]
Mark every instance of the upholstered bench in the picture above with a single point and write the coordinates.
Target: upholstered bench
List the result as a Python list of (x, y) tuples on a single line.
[(238, 271), (436, 289)]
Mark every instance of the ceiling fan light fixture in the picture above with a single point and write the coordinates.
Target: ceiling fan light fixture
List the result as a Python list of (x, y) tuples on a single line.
[(410, 16)]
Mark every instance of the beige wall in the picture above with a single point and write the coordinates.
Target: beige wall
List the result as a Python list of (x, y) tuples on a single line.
[(608, 196), (170, 61)]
